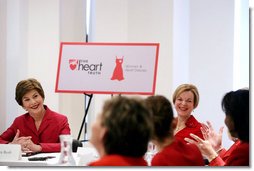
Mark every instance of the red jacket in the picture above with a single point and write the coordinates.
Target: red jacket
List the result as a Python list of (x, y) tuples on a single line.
[(192, 126), (119, 160), (178, 153), (237, 155), (53, 124)]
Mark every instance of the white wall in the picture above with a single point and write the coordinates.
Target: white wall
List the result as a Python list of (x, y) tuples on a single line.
[(30, 49), (211, 57), (72, 29), (134, 21), (196, 45), (3, 8), (13, 55)]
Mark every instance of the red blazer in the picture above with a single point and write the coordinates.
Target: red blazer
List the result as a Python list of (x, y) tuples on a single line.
[(119, 160), (178, 153), (237, 155), (192, 126), (53, 124)]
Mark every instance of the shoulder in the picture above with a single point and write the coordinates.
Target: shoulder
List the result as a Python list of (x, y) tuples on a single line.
[(108, 160), (241, 149), (119, 160), (22, 117), (52, 114), (240, 156)]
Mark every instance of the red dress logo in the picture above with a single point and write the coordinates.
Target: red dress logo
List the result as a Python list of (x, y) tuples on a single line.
[(118, 71), (73, 63)]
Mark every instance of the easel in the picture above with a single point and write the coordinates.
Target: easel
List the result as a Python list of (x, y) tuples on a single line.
[(84, 123)]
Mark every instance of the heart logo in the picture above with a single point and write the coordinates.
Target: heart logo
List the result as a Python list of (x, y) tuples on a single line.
[(73, 63)]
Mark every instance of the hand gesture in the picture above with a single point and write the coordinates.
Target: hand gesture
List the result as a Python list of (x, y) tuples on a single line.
[(30, 146), (19, 140), (204, 146), (210, 135)]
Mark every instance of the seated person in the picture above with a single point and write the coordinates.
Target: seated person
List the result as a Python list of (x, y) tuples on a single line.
[(186, 99), (37, 130), (235, 105), (171, 151), (121, 132)]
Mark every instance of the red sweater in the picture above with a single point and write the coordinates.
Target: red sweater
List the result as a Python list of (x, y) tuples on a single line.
[(237, 155), (52, 125), (192, 126), (119, 160), (178, 153)]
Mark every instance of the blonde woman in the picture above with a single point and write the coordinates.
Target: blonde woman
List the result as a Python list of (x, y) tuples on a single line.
[(186, 99)]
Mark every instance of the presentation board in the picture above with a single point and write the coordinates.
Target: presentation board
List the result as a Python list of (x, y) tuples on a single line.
[(107, 68)]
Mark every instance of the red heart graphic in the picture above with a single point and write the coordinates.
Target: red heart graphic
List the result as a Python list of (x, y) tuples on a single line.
[(73, 66)]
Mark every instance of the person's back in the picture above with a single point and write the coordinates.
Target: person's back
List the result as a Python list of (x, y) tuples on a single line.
[(240, 156), (119, 160), (235, 105), (178, 153), (121, 132), (171, 151), (237, 155)]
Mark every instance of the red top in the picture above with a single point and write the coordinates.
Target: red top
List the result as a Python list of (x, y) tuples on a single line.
[(53, 124), (119, 160), (178, 153), (236, 155), (192, 126)]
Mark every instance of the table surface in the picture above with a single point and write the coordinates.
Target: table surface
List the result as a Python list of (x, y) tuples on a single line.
[(82, 157)]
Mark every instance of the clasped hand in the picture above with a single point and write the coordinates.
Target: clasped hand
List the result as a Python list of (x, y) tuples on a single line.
[(26, 143)]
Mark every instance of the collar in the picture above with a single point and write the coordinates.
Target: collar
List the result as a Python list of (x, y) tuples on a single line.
[(191, 122)]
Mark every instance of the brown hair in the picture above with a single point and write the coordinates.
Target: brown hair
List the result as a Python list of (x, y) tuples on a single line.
[(187, 87), (162, 116), (25, 86), (129, 126)]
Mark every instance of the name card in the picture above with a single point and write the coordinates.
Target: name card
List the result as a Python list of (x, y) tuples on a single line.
[(10, 152)]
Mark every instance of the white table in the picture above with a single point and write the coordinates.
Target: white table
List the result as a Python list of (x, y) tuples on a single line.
[(83, 156)]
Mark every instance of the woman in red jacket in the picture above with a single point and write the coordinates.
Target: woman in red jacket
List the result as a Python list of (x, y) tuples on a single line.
[(235, 105), (37, 130), (186, 99), (171, 151), (121, 133)]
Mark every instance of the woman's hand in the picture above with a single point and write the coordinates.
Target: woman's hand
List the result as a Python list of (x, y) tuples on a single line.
[(210, 135), (204, 146), (19, 140), (26, 143), (30, 146)]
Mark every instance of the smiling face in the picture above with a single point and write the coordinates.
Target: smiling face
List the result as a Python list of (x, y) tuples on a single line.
[(184, 104), (33, 103)]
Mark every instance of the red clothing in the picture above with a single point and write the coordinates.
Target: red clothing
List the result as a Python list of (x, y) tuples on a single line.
[(119, 160), (192, 126), (53, 124), (224, 154), (237, 155), (178, 153)]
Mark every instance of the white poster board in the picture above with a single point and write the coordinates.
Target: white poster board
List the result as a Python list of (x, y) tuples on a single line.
[(107, 68)]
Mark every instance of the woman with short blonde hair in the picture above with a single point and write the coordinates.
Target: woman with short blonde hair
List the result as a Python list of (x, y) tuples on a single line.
[(186, 99)]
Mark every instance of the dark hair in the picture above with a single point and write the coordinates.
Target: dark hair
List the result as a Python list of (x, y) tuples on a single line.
[(162, 116), (235, 104), (129, 126), (25, 86)]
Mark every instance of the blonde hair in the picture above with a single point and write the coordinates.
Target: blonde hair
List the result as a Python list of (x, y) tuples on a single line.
[(187, 87)]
